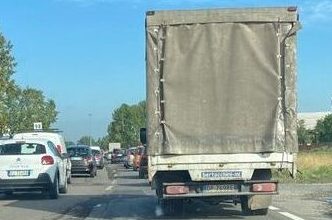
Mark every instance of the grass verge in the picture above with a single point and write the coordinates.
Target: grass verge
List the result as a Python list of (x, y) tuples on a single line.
[(313, 167)]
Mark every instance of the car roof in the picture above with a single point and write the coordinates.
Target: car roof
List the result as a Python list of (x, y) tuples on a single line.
[(43, 134), (25, 140), (78, 146)]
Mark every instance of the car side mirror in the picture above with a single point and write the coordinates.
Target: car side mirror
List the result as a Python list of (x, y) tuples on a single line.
[(142, 135), (64, 155)]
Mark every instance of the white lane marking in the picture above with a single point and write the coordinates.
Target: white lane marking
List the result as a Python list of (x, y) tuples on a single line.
[(291, 216), (109, 188), (273, 208)]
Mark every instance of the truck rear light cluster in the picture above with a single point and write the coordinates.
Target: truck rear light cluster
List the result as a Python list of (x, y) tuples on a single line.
[(47, 160), (175, 190), (264, 187)]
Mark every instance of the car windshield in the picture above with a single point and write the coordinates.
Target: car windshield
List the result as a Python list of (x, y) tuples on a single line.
[(22, 149), (78, 151)]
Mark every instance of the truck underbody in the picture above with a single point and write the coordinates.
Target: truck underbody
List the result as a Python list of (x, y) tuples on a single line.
[(242, 178)]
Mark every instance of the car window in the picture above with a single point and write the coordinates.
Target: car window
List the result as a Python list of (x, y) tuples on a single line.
[(78, 151), (95, 152), (22, 149), (53, 149)]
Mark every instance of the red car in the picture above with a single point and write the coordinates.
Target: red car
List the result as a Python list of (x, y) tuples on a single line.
[(137, 158)]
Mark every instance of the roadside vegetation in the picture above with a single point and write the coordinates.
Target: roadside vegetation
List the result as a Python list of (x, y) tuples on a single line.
[(20, 107), (314, 166), (314, 162)]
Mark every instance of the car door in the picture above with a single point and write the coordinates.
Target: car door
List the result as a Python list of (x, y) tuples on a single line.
[(60, 162)]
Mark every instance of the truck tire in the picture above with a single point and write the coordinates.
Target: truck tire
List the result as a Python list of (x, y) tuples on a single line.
[(140, 174), (172, 207)]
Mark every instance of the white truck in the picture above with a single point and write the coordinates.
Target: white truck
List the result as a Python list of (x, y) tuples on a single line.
[(221, 104), (112, 146)]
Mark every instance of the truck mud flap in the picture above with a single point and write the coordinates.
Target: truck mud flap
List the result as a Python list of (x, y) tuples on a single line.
[(259, 201)]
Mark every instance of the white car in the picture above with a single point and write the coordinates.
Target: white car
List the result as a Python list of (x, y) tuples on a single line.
[(57, 139), (32, 165)]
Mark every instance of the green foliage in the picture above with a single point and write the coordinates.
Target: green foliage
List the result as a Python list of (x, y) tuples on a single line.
[(20, 108), (86, 140), (69, 143), (304, 135), (323, 129), (103, 142), (127, 120)]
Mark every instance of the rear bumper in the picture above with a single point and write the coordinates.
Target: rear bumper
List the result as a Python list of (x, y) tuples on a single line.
[(43, 182), (198, 190), (117, 160), (80, 169)]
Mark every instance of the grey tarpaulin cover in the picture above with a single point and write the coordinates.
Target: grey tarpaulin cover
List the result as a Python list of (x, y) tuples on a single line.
[(221, 81)]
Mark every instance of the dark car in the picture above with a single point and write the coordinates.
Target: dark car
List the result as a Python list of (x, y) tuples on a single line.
[(118, 156), (82, 160)]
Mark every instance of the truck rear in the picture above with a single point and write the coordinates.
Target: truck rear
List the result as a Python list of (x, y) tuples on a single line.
[(221, 104)]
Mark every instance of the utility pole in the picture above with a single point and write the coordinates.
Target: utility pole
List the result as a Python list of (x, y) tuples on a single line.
[(90, 115)]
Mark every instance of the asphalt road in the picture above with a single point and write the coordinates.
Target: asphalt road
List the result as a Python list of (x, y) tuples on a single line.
[(117, 193)]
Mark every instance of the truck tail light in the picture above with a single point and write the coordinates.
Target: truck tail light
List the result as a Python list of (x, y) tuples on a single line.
[(174, 190), (47, 160), (264, 187)]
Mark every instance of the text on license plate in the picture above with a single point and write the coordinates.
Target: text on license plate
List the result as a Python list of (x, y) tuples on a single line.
[(12, 173), (221, 174), (220, 188)]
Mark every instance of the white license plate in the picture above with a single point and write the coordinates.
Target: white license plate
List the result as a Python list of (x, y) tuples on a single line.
[(221, 174), (76, 158), (220, 188), (12, 173)]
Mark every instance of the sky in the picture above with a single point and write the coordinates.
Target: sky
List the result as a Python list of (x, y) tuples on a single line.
[(89, 55)]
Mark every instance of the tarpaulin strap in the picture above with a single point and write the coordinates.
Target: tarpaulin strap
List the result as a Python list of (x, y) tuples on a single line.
[(162, 41)]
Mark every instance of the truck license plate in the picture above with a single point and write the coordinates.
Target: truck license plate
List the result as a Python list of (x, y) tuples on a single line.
[(12, 173), (221, 174), (220, 188)]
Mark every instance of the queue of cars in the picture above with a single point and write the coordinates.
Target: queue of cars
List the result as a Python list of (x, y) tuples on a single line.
[(40, 161), (132, 158)]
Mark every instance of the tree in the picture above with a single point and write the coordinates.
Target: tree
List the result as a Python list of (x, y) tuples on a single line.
[(302, 133), (7, 85), (127, 120), (69, 143), (30, 106), (323, 129), (20, 108), (86, 140), (103, 142)]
